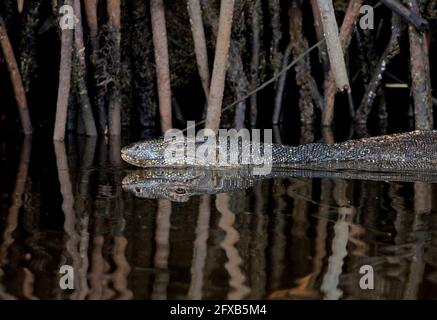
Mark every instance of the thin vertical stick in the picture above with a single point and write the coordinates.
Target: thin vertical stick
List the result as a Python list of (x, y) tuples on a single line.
[(20, 5), (275, 24), (255, 59), (220, 63), (238, 82), (29, 34), (411, 16), (17, 83), (64, 82), (91, 16), (195, 13), (323, 54), (335, 51), (87, 113), (392, 49), (309, 93), (280, 87), (345, 36), (421, 83), (113, 8), (114, 13), (162, 63)]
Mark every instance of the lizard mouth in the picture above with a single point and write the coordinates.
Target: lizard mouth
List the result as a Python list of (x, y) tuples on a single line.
[(125, 156), (145, 163)]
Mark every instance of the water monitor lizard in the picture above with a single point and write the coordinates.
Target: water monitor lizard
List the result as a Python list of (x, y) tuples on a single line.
[(405, 157), (413, 151)]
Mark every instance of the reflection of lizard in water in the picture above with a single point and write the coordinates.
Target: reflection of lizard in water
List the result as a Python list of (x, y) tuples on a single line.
[(179, 184)]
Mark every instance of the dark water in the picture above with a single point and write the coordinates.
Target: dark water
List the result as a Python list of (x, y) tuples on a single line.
[(283, 238)]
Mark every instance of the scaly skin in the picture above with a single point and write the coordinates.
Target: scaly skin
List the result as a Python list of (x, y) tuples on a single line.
[(402, 157), (407, 152)]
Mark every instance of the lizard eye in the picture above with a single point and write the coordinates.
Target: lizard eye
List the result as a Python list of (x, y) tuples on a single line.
[(137, 189), (180, 191)]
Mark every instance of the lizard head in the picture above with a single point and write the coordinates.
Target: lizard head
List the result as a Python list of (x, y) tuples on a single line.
[(145, 153), (178, 184), (175, 185)]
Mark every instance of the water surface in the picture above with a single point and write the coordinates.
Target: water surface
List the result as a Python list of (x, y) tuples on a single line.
[(288, 238)]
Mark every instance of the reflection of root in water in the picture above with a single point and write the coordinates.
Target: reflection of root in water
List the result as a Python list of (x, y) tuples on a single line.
[(28, 283), (200, 249), (361, 248), (13, 211), (237, 278), (279, 240), (303, 290), (120, 275), (71, 243), (162, 239), (98, 277), (335, 264)]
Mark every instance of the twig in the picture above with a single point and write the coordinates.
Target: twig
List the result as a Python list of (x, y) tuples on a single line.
[(323, 54), (256, 21), (17, 83), (238, 81), (195, 13), (239, 84), (20, 5), (220, 63), (236, 74), (114, 109), (162, 63), (390, 52), (421, 82), (86, 112), (280, 88), (31, 24), (275, 23), (346, 31), (64, 82), (91, 17), (309, 93), (408, 15), (335, 50)]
